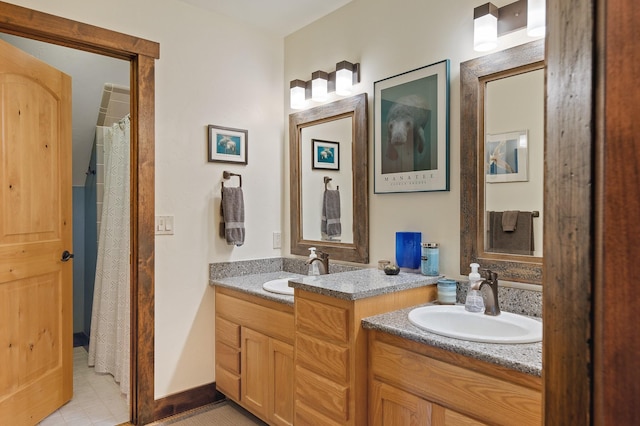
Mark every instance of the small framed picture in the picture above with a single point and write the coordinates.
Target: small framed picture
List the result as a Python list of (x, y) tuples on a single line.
[(506, 157), (227, 145), (326, 155)]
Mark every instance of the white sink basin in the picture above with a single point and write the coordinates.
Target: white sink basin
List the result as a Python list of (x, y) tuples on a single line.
[(454, 321), (280, 286)]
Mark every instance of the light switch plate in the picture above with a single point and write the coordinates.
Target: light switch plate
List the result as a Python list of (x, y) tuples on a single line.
[(277, 240), (164, 225)]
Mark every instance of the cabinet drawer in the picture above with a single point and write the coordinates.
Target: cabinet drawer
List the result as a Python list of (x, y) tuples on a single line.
[(278, 324), (227, 332), (322, 320), (328, 359), (228, 357), (228, 383), (327, 397), (306, 416), (465, 391)]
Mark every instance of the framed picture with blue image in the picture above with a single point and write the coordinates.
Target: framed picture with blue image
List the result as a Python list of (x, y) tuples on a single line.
[(227, 145), (507, 157), (325, 155)]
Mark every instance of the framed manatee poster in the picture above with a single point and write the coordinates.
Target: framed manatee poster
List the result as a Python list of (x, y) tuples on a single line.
[(411, 131)]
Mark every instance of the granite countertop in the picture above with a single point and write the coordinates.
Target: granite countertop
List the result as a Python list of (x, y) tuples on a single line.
[(524, 357), (252, 284), (360, 284)]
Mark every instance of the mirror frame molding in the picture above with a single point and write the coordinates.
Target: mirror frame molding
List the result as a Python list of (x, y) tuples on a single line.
[(474, 74), (356, 108)]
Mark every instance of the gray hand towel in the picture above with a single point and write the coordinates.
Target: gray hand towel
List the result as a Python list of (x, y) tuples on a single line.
[(519, 241), (330, 222), (233, 215), (510, 220)]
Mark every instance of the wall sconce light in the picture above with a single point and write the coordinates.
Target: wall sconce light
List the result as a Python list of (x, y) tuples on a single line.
[(319, 86), (298, 95), (344, 78), (340, 81), (485, 27), (490, 22), (536, 18)]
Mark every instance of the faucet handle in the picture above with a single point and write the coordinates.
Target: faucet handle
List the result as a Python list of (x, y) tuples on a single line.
[(490, 275)]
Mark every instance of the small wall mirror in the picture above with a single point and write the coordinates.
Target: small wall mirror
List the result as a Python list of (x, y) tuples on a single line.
[(502, 162), (328, 151)]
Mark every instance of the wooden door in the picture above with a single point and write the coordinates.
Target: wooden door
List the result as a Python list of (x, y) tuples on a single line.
[(36, 330), (254, 372), (281, 383), (392, 406)]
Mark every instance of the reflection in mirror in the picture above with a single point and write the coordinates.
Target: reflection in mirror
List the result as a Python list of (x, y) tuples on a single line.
[(327, 146), (497, 174), (330, 143), (513, 161)]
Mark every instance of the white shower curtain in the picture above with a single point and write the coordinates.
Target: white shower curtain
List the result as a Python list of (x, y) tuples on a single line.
[(110, 324)]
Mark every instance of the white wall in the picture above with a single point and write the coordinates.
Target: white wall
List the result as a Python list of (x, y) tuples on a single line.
[(389, 37), (211, 70)]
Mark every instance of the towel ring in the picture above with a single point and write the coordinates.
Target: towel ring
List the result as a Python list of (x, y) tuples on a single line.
[(227, 175), (327, 179)]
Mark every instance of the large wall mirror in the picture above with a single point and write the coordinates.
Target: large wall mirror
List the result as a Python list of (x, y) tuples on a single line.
[(328, 151), (502, 162)]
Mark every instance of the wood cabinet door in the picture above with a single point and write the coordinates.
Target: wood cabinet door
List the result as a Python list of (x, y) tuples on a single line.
[(254, 371), (392, 406), (281, 383)]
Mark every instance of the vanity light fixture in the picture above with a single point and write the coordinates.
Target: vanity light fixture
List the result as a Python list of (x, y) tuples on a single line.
[(319, 86), (344, 78), (536, 18), (340, 81), (298, 97), (485, 27), (490, 22)]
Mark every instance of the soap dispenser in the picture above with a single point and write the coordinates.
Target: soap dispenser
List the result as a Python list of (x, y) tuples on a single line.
[(474, 302), (314, 269)]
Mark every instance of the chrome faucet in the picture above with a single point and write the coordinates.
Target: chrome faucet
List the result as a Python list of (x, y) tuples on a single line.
[(323, 258), (491, 305)]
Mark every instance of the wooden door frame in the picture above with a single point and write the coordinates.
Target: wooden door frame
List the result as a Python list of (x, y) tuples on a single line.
[(590, 352), (141, 54)]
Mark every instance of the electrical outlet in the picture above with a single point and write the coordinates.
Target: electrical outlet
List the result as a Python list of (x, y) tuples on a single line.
[(277, 240)]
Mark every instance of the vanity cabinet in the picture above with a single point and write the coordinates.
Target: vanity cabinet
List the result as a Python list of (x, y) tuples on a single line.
[(331, 353), (254, 354), (412, 383)]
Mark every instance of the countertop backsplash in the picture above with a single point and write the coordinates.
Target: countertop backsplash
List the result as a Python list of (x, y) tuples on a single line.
[(275, 264), (511, 299)]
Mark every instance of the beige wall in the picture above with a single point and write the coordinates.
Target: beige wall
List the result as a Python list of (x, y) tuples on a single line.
[(389, 37)]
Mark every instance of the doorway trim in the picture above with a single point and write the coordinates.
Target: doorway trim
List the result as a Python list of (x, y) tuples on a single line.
[(141, 54)]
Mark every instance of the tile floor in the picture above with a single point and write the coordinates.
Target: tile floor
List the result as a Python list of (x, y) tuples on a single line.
[(96, 398)]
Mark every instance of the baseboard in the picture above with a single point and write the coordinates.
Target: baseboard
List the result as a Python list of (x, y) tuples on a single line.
[(186, 400)]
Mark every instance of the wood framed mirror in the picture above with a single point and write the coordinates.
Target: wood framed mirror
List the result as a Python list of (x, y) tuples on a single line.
[(480, 148), (341, 127)]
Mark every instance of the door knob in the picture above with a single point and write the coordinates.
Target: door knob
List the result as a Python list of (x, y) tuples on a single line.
[(66, 256)]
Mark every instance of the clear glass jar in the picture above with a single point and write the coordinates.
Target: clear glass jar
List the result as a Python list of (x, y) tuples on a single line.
[(430, 259)]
